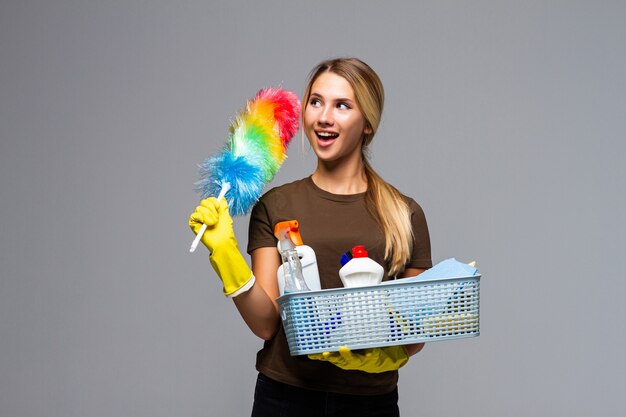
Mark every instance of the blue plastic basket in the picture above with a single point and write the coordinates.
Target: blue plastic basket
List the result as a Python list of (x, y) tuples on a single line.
[(392, 313)]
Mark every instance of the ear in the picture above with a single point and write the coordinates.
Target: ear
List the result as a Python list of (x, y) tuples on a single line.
[(367, 130)]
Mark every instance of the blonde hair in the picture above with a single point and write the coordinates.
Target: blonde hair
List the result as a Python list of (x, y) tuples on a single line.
[(384, 201)]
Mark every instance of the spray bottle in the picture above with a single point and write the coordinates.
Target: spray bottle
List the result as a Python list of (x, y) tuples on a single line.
[(288, 236)]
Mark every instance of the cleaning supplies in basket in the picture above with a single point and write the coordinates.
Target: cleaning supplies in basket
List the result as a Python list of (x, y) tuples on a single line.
[(299, 269), (360, 270), (394, 312), (455, 313)]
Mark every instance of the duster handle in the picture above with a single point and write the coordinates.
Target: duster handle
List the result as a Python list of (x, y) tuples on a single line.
[(194, 244)]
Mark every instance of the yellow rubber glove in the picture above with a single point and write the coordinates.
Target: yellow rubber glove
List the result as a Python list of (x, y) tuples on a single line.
[(219, 238), (372, 360)]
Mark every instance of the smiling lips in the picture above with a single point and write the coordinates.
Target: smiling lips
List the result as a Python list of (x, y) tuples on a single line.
[(326, 138)]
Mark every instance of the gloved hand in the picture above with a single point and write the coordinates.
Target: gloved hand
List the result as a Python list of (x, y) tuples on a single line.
[(219, 238), (372, 360)]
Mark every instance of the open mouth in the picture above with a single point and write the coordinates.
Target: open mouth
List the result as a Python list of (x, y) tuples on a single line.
[(326, 136)]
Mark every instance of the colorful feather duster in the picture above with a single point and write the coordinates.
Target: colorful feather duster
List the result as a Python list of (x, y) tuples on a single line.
[(255, 150)]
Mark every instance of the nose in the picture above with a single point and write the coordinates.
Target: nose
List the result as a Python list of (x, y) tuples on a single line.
[(326, 116)]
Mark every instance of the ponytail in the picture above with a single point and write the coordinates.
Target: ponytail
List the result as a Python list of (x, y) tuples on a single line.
[(388, 206)]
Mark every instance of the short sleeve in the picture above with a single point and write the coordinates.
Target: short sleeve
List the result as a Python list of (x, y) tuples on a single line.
[(421, 255), (260, 231)]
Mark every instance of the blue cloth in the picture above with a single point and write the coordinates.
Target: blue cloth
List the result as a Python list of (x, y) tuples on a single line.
[(450, 268)]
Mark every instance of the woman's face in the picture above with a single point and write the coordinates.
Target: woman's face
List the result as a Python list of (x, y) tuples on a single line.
[(332, 120)]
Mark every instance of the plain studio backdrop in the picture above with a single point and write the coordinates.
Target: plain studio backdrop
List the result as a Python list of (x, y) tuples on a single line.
[(505, 120)]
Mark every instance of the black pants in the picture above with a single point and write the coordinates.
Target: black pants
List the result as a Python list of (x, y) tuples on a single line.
[(275, 399)]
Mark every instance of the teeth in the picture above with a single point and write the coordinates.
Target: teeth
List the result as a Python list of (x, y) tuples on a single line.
[(326, 134)]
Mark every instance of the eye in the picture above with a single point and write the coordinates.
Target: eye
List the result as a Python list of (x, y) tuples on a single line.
[(314, 102), (343, 106)]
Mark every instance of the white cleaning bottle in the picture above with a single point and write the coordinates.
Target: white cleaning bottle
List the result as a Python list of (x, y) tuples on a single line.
[(299, 269), (361, 270), (310, 272)]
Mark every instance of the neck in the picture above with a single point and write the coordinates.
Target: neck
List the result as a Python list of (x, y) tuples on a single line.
[(340, 179)]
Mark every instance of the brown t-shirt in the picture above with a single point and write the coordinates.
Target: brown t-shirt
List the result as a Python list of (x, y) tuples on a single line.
[(331, 224)]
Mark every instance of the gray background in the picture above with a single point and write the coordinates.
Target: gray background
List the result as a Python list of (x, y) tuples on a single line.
[(505, 120)]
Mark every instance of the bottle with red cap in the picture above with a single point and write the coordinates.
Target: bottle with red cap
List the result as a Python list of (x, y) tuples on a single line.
[(361, 270)]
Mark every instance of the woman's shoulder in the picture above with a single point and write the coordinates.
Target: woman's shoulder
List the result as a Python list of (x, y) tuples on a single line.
[(283, 201), (414, 206), (410, 201)]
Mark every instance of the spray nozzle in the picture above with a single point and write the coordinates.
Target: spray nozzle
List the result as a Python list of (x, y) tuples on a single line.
[(288, 234)]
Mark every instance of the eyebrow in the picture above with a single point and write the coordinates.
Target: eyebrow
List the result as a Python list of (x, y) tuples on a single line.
[(335, 99)]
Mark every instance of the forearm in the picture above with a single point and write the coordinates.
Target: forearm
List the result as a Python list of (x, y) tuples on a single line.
[(258, 311), (257, 306)]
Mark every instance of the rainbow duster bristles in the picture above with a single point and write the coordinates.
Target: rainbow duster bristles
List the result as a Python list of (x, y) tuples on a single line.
[(256, 148)]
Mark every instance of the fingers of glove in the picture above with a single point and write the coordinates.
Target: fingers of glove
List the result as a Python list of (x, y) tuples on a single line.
[(345, 353), (330, 356), (222, 208), (208, 211), (195, 222), (324, 356), (210, 203), (202, 216)]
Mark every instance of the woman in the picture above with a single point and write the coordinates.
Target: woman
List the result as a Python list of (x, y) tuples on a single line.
[(342, 204)]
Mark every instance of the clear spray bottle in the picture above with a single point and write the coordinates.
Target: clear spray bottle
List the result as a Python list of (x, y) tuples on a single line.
[(288, 237)]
